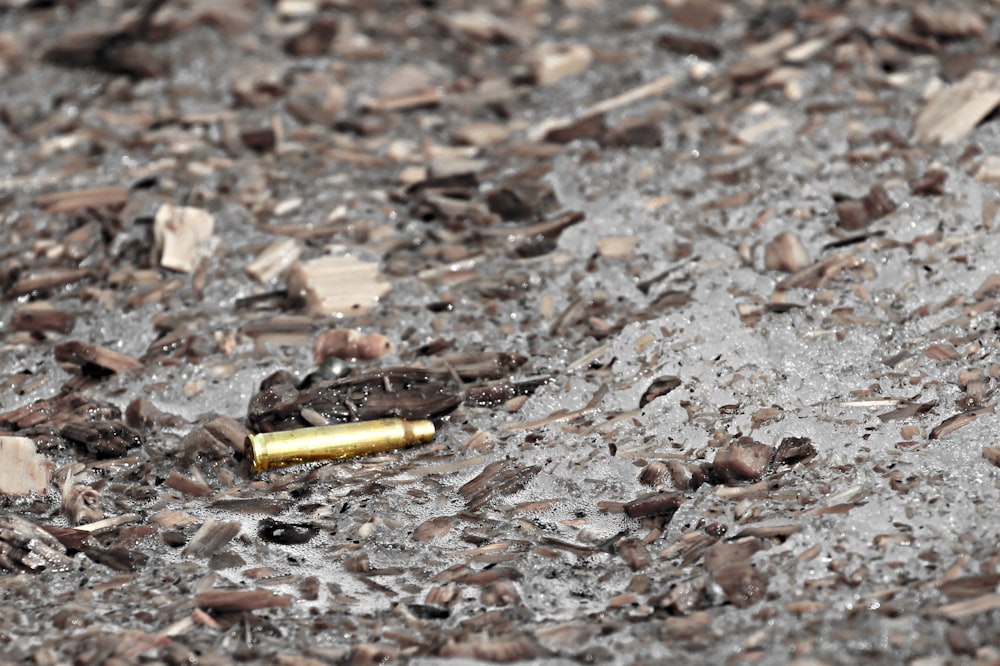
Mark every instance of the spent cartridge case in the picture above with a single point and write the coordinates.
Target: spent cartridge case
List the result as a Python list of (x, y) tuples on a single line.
[(349, 440)]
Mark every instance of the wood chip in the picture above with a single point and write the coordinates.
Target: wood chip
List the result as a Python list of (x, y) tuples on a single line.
[(228, 431), (939, 352), (988, 170), (952, 113), (74, 200), (820, 273), (274, 260), (688, 45), (741, 461), (348, 343), (39, 317), (551, 62), (976, 606), (181, 233), (635, 553), (480, 133), (617, 247), (482, 25), (94, 359), (645, 91), (46, 280), (658, 504), (496, 479), (953, 423), (753, 133), (240, 600), (22, 470), (187, 486), (947, 23), (786, 253), (337, 286), (211, 537)]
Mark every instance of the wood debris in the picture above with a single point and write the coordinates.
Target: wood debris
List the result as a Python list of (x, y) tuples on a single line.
[(551, 62), (949, 24), (350, 344), (954, 110), (953, 423), (661, 386), (855, 214), (22, 470), (741, 461), (26, 547), (658, 504), (42, 317), (181, 234), (94, 360), (274, 260), (74, 200), (786, 253), (210, 537), (820, 273), (337, 286), (223, 601), (80, 503)]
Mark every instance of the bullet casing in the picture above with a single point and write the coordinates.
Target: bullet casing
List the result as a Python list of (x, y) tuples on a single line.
[(349, 440)]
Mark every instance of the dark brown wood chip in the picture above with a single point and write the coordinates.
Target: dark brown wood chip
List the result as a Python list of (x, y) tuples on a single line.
[(94, 360), (661, 386), (103, 439), (587, 127), (794, 450), (42, 318), (141, 413), (741, 461), (687, 45), (635, 553), (931, 183), (411, 393), (659, 504), (497, 479)]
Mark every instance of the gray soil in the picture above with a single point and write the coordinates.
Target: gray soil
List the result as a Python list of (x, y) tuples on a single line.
[(711, 443)]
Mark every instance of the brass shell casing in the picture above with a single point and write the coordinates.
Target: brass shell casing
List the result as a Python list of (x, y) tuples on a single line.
[(349, 440)]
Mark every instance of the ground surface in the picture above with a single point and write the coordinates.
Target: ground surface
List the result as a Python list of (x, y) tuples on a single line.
[(683, 434)]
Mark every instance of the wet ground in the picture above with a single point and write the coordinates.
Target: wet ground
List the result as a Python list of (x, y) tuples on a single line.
[(701, 297)]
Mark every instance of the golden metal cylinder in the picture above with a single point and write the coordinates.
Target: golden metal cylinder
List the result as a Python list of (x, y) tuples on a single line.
[(349, 440)]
